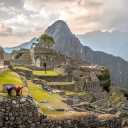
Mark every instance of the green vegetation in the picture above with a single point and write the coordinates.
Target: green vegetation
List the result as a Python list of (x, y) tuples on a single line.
[(116, 98), (19, 67), (125, 92), (105, 76), (54, 100), (45, 65), (18, 54), (44, 41), (42, 73), (11, 78)]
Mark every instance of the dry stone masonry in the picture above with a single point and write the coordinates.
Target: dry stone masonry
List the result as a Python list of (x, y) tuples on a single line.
[(23, 113)]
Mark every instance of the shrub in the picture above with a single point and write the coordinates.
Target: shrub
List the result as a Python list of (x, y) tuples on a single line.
[(125, 92), (105, 76), (18, 55), (9, 90), (18, 90)]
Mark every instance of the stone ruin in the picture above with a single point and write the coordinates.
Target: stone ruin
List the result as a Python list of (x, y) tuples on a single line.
[(24, 112), (4, 61), (54, 58)]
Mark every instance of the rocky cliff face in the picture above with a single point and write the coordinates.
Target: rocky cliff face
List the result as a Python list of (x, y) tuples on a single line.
[(68, 44)]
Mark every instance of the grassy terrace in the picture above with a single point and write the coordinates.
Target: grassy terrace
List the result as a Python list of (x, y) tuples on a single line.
[(48, 73), (39, 95), (116, 98), (11, 78), (19, 67)]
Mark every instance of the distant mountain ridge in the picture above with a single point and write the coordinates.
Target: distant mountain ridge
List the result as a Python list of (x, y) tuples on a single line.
[(115, 42), (26, 45)]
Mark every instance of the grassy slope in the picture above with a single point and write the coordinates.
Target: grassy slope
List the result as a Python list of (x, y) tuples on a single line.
[(48, 73), (39, 95), (19, 67), (11, 78)]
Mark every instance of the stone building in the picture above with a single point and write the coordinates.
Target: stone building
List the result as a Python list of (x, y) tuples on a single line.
[(4, 60), (3, 56)]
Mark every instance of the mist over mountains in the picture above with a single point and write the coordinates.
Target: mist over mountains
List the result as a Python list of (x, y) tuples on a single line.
[(69, 45), (115, 42), (26, 45)]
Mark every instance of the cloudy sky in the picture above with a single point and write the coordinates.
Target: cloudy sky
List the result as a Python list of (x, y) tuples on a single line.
[(21, 20)]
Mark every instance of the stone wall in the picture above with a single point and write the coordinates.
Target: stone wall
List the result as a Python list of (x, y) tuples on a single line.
[(103, 104), (28, 73), (23, 113), (100, 95), (68, 87), (60, 70)]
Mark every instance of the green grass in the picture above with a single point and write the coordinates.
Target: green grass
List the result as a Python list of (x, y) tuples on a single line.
[(39, 95), (48, 73), (11, 78), (118, 104), (19, 67), (116, 98)]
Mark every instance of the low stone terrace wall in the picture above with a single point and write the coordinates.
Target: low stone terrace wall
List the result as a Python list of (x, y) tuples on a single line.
[(23, 113), (28, 73), (68, 87)]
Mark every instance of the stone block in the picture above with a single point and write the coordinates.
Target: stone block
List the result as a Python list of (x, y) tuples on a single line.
[(8, 86)]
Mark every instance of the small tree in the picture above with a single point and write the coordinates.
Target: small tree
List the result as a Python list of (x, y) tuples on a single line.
[(45, 65), (45, 41)]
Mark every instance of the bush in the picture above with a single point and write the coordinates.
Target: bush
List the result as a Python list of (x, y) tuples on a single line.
[(105, 76), (18, 55)]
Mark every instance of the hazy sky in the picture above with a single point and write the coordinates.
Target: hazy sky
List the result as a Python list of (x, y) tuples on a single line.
[(21, 20)]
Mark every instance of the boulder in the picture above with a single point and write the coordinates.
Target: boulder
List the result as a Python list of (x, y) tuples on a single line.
[(59, 109), (44, 101), (50, 108)]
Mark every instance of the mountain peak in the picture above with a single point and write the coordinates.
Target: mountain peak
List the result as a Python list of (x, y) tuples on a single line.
[(59, 26)]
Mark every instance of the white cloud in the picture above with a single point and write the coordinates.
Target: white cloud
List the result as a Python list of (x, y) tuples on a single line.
[(2, 4), (81, 15), (5, 31), (19, 23)]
